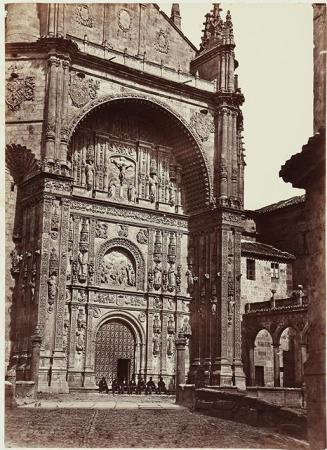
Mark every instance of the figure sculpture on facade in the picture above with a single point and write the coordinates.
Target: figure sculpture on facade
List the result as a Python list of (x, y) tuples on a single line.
[(82, 260), (157, 277), (15, 262), (150, 279), (152, 188), (171, 194), (170, 345), (112, 190), (171, 278), (52, 290), (130, 275), (89, 175), (122, 165), (156, 344), (165, 280), (131, 193)]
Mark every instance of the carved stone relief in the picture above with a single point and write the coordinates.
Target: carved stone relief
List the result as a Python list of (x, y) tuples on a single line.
[(122, 230), (101, 230), (117, 269), (124, 20), (161, 44), (142, 236), (120, 300), (83, 16), (82, 89), (203, 125), (18, 90)]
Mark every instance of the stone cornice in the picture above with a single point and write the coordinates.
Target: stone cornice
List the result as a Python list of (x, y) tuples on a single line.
[(65, 47)]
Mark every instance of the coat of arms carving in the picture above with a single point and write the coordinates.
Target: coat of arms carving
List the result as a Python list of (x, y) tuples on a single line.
[(82, 89), (203, 125), (19, 90), (162, 43)]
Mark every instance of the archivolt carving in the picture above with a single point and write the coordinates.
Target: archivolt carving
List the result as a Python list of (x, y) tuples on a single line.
[(182, 123), (131, 248)]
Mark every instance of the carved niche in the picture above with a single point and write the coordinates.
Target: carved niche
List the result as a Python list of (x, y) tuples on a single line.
[(82, 89), (18, 90), (117, 269), (120, 265)]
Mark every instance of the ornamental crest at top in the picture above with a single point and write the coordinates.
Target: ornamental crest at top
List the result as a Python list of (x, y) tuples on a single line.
[(216, 31)]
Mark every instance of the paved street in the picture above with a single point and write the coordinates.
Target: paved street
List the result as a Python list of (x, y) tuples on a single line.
[(130, 421)]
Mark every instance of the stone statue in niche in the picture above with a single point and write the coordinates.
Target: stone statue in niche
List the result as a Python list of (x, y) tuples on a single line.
[(131, 193), (89, 175), (152, 188), (171, 194), (112, 190), (170, 345), (171, 278), (156, 344), (82, 269), (80, 339), (52, 290), (157, 277), (150, 279), (156, 325), (165, 280), (117, 270)]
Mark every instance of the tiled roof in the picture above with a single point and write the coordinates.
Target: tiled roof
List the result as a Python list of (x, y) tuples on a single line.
[(282, 204), (258, 249)]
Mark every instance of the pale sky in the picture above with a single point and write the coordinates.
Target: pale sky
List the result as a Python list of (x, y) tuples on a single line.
[(274, 46)]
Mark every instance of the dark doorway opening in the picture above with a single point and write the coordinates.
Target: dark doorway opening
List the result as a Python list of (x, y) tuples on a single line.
[(123, 369), (259, 375)]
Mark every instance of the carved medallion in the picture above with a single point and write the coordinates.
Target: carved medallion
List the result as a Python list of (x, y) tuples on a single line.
[(19, 90), (142, 317), (162, 43), (203, 125), (83, 16), (122, 230), (142, 236), (82, 89), (124, 20)]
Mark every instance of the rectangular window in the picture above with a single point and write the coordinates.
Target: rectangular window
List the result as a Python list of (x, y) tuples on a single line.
[(250, 269), (274, 270)]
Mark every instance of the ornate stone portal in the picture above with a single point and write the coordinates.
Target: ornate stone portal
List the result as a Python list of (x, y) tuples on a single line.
[(129, 218)]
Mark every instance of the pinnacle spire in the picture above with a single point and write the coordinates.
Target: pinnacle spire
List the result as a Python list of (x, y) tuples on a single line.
[(215, 29)]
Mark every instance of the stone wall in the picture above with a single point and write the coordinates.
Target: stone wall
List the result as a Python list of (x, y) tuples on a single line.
[(259, 290), (319, 60)]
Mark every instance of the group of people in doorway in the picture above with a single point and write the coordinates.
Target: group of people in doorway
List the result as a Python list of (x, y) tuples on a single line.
[(130, 387)]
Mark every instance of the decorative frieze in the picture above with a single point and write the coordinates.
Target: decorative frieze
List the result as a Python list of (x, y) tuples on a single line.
[(120, 300)]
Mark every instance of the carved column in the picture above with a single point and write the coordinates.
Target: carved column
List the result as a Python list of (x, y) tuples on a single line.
[(45, 353), (36, 341), (72, 339), (64, 109), (89, 375), (237, 341), (276, 365), (251, 366), (50, 136), (164, 334), (149, 358), (180, 363)]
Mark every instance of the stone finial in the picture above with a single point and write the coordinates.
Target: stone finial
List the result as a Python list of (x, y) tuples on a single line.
[(175, 15)]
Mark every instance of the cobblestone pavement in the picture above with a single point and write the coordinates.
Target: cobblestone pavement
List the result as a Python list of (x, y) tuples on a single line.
[(155, 422)]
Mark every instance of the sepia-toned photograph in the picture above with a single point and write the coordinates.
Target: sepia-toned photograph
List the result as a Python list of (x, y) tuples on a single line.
[(164, 218)]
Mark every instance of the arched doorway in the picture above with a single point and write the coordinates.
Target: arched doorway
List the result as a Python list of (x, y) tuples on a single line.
[(289, 358), (263, 359), (114, 351)]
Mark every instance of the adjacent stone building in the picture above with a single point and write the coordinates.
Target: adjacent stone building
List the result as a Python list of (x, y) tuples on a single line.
[(307, 170), (124, 200)]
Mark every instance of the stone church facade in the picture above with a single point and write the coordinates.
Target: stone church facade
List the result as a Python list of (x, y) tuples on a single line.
[(124, 195)]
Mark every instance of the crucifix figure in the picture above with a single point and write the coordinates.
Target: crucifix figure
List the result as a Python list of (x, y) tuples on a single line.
[(122, 165)]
